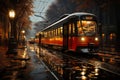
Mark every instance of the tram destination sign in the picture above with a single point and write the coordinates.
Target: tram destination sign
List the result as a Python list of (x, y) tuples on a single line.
[(88, 17)]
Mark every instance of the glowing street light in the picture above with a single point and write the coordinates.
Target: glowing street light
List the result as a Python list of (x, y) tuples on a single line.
[(23, 31), (12, 14), (12, 44)]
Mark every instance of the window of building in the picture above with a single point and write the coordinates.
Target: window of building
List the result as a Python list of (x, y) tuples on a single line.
[(112, 36)]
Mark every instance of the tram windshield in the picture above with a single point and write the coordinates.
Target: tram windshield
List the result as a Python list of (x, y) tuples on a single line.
[(87, 28)]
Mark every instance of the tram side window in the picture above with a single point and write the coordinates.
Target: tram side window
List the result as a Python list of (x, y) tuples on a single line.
[(45, 34), (48, 33), (73, 28), (70, 29), (52, 33), (41, 33), (61, 31), (80, 31), (56, 32)]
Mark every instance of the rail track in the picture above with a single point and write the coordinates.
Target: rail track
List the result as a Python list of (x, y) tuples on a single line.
[(72, 67)]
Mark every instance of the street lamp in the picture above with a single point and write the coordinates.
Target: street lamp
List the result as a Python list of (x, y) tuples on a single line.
[(12, 16), (12, 44), (23, 31), (23, 37)]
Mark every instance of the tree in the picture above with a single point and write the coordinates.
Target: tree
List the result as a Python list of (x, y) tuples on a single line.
[(61, 7), (23, 9)]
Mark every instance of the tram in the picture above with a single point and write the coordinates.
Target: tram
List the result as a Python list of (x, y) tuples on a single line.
[(74, 32)]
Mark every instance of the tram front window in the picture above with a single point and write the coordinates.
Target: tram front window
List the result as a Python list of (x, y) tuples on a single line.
[(88, 28)]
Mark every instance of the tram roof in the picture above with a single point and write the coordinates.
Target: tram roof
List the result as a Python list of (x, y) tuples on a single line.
[(67, 17)]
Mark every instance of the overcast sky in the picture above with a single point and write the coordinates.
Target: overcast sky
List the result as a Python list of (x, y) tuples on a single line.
[(40, 7)]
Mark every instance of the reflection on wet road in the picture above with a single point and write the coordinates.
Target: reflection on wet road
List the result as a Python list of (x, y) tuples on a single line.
[(79, 69)]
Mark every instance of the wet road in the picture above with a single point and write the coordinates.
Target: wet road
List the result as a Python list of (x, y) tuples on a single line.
[(38, 70), (81, 68), (69, 68), (26, 66)]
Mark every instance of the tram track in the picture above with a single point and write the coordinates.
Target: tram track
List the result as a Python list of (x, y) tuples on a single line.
[(102, 65), (81, 60)]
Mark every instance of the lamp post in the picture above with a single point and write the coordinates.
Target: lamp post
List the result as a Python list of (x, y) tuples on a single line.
[(23, 37), (23, 31), (11, 13), (12, 44), (12, 16)]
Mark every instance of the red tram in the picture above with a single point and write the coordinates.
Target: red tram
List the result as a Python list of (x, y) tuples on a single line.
[(75, 32)]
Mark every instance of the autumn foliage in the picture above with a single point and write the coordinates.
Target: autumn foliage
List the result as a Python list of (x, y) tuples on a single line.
[(22, 8)]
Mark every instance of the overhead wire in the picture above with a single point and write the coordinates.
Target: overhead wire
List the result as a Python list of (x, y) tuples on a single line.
[(45, 3), (40, 7)]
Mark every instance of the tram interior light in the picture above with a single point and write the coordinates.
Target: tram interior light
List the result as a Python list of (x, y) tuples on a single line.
[(88, 22)]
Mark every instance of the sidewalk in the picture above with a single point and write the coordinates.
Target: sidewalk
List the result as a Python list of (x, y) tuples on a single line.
[(3, 61), (39, 71), (25, 66), (14, 67)]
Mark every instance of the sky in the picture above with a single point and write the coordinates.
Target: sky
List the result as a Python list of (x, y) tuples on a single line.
[(40, 7)]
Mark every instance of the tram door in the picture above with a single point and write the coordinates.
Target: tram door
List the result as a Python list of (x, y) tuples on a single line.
[(65, 36), (71, 39), (40, 39)]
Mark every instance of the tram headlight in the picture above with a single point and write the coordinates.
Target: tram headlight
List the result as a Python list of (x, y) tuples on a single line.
[(96, 39), (82, 39)]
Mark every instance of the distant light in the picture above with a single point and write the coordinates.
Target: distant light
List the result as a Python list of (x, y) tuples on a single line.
[(83, 73), (23, 31), (83, 77)]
